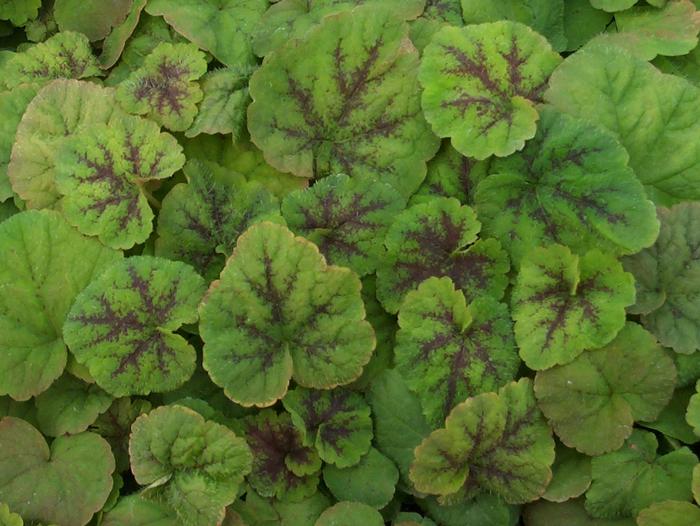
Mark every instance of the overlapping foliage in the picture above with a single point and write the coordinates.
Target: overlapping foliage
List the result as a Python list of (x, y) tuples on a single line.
[(349, 262)]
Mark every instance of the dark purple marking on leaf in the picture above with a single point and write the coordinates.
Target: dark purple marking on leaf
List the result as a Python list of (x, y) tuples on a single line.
[(163, 88), (332, 432), (75, 66)]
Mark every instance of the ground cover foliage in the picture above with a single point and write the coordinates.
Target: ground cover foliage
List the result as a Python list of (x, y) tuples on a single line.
[(349, 262)]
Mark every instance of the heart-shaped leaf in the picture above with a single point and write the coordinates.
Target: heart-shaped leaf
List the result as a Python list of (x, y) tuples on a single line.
[(345, 99), (481, 83), (45, 264), (447, 350), (564, 304), (35, 478), (261, 328), (122, 326), (593, 401), (193, 465), (439, 238)]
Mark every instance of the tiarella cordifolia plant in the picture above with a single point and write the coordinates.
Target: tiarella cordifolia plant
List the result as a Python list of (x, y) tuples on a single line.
[(349, 262)]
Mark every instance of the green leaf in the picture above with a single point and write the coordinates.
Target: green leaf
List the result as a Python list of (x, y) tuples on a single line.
[(34, 477), (122, 326), (370, 482), (164, 87), (563, 304), (282, 465), (114, 43), (223, 108), (582, 22), (69, 406), (13, 104), (481, 84), (7, 518), (137, 511), (19, 12), (279, 312), (483, 510), (666, 279), (593, 401), (346, 217), (448, 350), (437, 14), (25, 410), (45, 265), (336, 422), (66, 55), (669, 513), (292, 19), (671, 421), (94, 18), (696, 483), (571, 475), (439, 238), (451, 174), (544, 16), (494, 442), (692, 414), (411, 519), (632, 478), (652, 114), (569, 513), (344, 100), (570, 185), (646, 31), (685, 66), (613, 5), (191, 464), (259, 511), (103, 172), (350, 514), (224, 28), (200, 221), (398, 418), (59, 110)]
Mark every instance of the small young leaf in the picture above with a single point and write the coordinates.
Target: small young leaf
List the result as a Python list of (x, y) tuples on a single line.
[(191, 464), (122, 326), (224, 28), (447, 350), (481, 84), (632, 478), (164, 87), (336, 422), (370, 482), (571, 475), (344, 100), (346, 218), (59, 110), (7, 518), (102, 172), (94, 18), (200, 221), (66, 55), (439, 238), (661, 149), (350, 514), (45, 264), (19, 11), (593, 401), (570, 185), (495, 442), (282, 465), (669, 513), (279, 312), (34, 477), (564, 304), (291, 19), (70, 406), (667, 282)]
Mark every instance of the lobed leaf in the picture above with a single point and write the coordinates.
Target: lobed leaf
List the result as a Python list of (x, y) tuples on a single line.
[(336, 422), (592, 402), (279, 312), (103, 171), (35, 477), (494, 442), (481, 83), (193, 465), (570, 185), (19, 12), (439, 238), (345, 99), (122, 326), (346, 218), (45, 265), (448, 350), (563, 304)]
